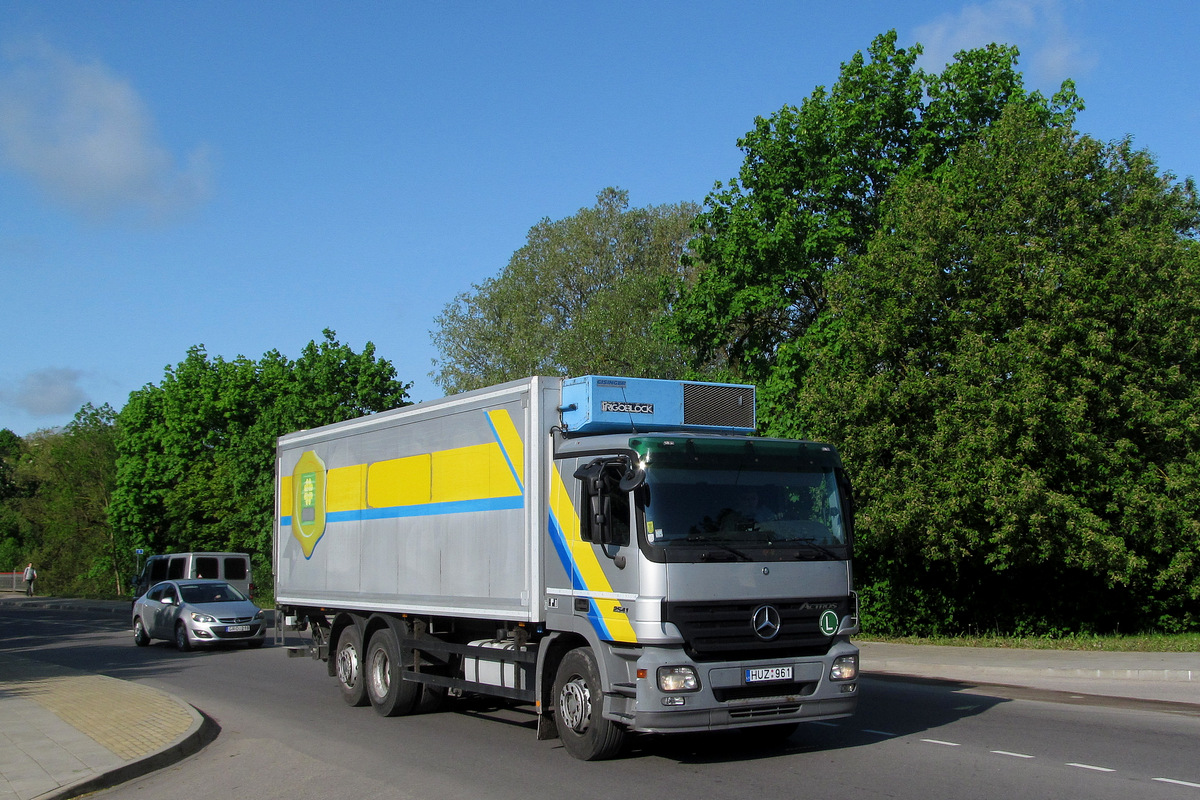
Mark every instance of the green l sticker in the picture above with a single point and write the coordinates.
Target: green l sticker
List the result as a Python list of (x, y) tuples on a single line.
[(829, 623)]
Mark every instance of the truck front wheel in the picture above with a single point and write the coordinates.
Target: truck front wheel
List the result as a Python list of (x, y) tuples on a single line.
[(391, 695), (348, 665), (578, 704)]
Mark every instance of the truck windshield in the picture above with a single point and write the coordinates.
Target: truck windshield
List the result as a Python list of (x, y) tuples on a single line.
[(776, 502)]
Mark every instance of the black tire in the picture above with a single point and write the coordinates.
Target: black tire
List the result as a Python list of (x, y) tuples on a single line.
[(578, 706), (140, 637), (348, 667), (391, 695), (182, 642)]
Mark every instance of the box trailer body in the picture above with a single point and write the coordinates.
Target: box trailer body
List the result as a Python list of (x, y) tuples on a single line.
[(580, 544)]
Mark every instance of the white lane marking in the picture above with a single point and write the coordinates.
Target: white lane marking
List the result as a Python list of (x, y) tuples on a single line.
[(1090, 766), (879, 733), (939, 741), (1014, 755), (1177, 783)]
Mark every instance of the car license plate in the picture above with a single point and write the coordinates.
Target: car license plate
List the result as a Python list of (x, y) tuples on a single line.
[(763, 674), (237, 629)]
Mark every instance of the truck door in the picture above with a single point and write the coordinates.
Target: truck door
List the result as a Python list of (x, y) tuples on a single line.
[(607, 563)]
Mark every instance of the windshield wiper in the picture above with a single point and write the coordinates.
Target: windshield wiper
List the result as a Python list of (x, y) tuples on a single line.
[(714, 556), (813, 547)]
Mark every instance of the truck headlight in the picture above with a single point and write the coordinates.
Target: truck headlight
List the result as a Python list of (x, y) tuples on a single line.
[(678, 679), (845, 668)]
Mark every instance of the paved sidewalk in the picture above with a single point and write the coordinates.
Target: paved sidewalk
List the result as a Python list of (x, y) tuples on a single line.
[(64, 732)]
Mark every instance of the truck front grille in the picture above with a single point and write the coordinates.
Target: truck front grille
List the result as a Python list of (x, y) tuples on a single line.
[(725, 631)]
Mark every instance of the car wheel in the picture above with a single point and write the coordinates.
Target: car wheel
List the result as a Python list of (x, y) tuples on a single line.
[(140, 637), (348, 666), (182, 642), (391, 695), (578, 706)]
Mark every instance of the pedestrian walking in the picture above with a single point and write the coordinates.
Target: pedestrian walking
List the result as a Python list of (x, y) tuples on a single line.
[(30, 577)]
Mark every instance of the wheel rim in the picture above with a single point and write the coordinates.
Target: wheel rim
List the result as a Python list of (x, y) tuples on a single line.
[(137, 629), (380, 675), (574, 703), (181, 636), (347, 666)]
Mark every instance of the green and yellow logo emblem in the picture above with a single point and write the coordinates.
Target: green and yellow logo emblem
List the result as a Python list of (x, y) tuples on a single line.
[(308, 501)]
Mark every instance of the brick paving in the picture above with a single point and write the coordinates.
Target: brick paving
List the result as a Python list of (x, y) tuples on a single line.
[(63, 731)]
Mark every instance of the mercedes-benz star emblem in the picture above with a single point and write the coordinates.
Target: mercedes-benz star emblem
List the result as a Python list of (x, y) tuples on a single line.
[(766, 622)]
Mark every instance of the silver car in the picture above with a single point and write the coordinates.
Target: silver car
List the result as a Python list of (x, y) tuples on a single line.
[(197, 612)]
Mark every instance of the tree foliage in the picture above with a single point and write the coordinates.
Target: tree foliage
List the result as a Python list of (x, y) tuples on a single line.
[(995, 317), (582, 296), (808, 194), (196, 453), (1013, 368), (12, 522), (60, 488)]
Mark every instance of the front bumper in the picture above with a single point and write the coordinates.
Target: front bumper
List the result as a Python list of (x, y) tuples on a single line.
[(211, 633), (725, 700)]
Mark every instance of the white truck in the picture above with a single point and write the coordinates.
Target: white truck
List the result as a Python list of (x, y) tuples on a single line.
[(620, 553)]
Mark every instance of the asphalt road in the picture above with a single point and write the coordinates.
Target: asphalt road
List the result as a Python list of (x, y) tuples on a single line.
[(285, 733)]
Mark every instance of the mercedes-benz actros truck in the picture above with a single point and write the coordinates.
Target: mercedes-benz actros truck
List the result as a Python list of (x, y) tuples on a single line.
[(622, 554)]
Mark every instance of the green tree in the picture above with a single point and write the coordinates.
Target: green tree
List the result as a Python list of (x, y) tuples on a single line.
[(12, 522), (582, 296), (808, 194), (196, 453), (67, 479), (1013, 369)]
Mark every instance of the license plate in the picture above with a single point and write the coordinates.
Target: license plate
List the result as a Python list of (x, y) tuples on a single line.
[(237, 629), (763, 674)]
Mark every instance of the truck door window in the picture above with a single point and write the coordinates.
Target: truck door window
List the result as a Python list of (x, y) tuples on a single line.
[(604, 512), (207, 567), (176, 568)]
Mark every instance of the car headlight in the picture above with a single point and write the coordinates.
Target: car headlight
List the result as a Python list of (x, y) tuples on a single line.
[(260, 615), (678, 679), (203, 618), (845, 668)]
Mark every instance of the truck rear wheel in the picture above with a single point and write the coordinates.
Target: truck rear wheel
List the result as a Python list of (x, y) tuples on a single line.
[(391, 695), (348, 666), (578, 706)]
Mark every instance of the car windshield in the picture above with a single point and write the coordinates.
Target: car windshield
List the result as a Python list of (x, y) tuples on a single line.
[(199, 594)]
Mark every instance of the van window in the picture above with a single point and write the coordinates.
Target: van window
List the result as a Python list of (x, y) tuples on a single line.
[(208, 567), (158, 570), (235, 569), (175, 571)]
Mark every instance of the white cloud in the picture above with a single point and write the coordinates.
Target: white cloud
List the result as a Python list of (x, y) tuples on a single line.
[(47, 392), (1050, 51), (86, 138)]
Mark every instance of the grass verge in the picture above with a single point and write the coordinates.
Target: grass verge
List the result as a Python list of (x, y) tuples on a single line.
[(1142, 643)]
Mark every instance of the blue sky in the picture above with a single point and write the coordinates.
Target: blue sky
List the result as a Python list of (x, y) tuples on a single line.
[(243, 175)]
